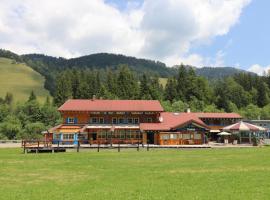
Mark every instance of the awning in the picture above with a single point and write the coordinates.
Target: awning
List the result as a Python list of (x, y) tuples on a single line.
[(214, 131)]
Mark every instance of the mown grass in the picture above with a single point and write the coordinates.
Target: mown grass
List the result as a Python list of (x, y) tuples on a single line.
[(157, 174), (20, 80)]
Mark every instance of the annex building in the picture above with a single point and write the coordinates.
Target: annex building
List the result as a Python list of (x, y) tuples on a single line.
[(96, 121)]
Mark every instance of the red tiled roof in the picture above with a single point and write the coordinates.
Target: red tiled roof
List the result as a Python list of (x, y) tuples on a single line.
[(111, 105), (219, 115), (172, 121)]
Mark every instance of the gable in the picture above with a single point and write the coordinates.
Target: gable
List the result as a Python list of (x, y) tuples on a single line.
[(191, 126)]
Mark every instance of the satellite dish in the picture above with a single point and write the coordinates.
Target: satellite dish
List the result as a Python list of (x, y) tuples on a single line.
[(160, 119)]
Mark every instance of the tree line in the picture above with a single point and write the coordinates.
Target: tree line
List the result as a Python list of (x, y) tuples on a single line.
[(26, 120), (244, 93)]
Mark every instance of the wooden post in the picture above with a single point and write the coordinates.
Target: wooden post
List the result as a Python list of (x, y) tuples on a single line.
[(147, 146), (78, 146), (138, 147), (118, 146), (37, 147), (58, 145), (24, 147), (98, 147)]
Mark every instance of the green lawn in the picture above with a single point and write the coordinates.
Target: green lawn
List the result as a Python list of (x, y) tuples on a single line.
[(20, 80), (157, 174)]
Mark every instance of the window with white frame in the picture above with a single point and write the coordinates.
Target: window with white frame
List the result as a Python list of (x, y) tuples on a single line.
[(94, 120), (114, 120), (136, 120), (68, 136), (101, 120), (130, 120), (186, 136), (165, 136), (57, 136), (121, 120), (70, 120), (197, 136), (173, 136)]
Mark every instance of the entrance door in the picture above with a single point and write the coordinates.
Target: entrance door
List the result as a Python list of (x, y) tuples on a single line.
[(150, 138), (94, 136)]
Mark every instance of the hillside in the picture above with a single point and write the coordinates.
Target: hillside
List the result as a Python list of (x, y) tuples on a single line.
[(20, 80), (218, 72), (49, 66)]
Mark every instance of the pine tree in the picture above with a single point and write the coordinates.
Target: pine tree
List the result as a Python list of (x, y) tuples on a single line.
[(182, 83), (170, 90), (63, 89), (127, 85), (263, 94), (8, 98), (111, 82), (32, 96), (75, 82), (156, 89), (145, 88)]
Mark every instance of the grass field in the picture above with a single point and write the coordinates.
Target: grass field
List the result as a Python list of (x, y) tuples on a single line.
[(157, 174), (20, 80), (163, 81)]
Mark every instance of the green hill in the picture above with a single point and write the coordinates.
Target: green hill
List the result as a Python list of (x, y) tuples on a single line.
[(20, 80)]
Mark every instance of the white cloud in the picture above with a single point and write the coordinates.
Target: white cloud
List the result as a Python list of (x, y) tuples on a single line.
[(258, 69), (160, 29)]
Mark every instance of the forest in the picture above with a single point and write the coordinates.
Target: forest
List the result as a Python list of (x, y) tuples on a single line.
[(244, 93)]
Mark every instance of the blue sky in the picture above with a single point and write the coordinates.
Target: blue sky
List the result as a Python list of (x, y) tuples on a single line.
[(248, 42), (196, 32)]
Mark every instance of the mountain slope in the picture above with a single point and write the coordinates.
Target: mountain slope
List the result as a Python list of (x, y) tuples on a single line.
[(219, 72), (102, 61), (20, 80)]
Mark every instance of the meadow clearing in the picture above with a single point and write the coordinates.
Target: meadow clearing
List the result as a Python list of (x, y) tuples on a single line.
[(157, 174), (19, 79)]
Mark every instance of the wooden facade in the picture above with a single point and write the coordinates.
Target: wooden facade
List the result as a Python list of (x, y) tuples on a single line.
[(132, 122)]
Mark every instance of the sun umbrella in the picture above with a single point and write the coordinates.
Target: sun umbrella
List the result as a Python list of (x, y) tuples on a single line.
[(243, 126), (224, 133)]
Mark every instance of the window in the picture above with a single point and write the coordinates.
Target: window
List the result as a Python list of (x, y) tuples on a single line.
[(94, 120), (165, 137), (186, 136), (70, 120), (102, 134), (131, 134), (128, 134), (114, 120), (101, 120), (137, 134), (122, 134), (173, 136), (197, 136), (57, 136), (68, 136), (121, 120), (130, 120), (136, 120), (83, 137), (149, 120)]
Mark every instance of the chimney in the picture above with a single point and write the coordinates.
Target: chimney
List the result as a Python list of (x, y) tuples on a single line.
[(94, 98), (188, 110)]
